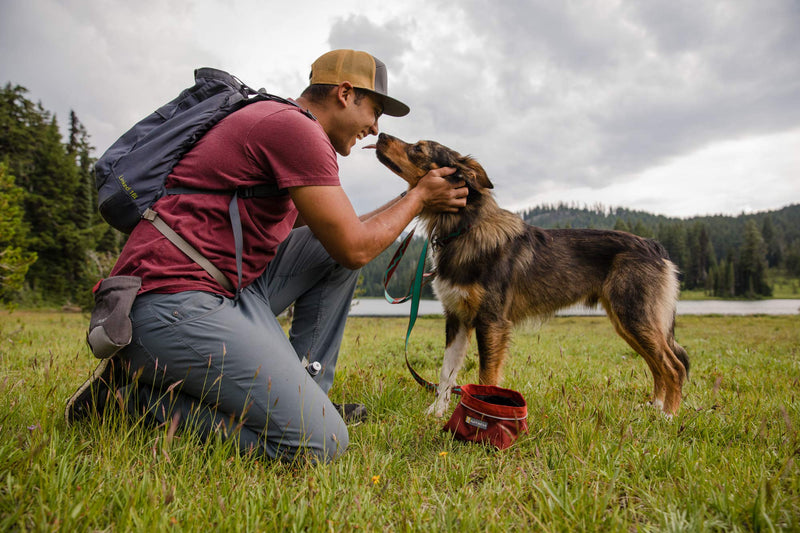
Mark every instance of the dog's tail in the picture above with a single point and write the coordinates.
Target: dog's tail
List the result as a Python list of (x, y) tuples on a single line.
[(678, 350), (657, 248), (674, 289)]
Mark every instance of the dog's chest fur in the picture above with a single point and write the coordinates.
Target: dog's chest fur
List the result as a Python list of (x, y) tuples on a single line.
[(459, 300), (461, 265)]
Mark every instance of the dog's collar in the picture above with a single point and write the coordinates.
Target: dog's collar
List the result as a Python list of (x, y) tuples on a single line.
[(438, 242)]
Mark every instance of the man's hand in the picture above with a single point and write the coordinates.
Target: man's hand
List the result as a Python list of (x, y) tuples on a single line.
[(438, 194)]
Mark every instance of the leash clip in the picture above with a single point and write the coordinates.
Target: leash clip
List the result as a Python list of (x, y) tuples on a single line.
[(438, 243)]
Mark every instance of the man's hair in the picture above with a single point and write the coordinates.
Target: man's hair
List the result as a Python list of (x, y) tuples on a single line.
[(319, 91)]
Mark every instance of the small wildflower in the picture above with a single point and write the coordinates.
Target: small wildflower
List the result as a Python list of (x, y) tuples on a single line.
[(375, 479), (442, 454)]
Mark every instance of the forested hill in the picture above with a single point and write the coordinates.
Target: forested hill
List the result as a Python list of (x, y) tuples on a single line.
[(600, 217), (725, 232)]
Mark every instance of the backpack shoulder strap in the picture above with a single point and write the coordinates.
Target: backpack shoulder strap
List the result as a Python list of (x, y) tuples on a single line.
[(262, 190), (188, 249)]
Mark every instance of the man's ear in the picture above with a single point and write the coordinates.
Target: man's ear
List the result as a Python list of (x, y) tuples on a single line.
[(343, 91), (472, 172)]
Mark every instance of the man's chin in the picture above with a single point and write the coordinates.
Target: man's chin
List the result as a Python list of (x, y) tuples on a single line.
[(344, 150)]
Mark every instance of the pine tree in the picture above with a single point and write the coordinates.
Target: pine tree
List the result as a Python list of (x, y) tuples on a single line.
[(701, 256), (621, 225), (772, 242), (54, 196), (752, 275), (673, 237), (14, 257), (792, 260), (79, 150), (642, 230)]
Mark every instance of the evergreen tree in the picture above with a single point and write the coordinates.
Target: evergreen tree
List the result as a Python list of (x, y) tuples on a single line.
[(772, 242), (640, 229), (701, 256), (54, 196), (620, 225), (722, 279), (792, 260), (729, 280), (79, 149), (673, 237), (752, 275), (15, 259)]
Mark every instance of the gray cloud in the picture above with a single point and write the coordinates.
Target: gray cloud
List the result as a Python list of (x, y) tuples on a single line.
[(111, 65), (385, 41), (589, 93)]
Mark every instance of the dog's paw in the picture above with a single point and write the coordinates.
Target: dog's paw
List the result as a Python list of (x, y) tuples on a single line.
[(438, 407), (431, 410), (658, 405)]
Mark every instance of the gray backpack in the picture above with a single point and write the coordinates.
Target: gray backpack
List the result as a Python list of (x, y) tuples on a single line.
[(130, 175)]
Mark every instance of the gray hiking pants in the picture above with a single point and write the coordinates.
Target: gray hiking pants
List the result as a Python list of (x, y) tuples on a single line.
[(226, 366)]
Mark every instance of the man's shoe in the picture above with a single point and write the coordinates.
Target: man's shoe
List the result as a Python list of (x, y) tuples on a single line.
[(96, 392), (352, 413)]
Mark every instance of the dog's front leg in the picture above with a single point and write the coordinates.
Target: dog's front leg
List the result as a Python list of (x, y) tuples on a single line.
[(457, 342)]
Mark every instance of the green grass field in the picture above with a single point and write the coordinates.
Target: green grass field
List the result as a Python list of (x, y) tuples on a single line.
[(595, 458)]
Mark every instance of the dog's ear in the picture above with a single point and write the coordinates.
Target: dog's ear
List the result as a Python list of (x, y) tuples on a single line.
[(472, 172)]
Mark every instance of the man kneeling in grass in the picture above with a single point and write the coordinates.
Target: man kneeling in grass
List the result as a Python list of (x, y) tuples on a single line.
[(218, 359)]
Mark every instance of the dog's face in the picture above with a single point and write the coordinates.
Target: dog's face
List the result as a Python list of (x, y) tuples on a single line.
[(412, 161)]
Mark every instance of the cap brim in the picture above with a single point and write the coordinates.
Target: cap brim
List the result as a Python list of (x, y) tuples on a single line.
[(392, 107)]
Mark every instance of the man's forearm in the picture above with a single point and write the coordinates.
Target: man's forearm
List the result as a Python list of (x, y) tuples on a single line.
[(382, 208)]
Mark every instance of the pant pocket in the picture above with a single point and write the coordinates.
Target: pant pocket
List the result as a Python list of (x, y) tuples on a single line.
[(186, 307)]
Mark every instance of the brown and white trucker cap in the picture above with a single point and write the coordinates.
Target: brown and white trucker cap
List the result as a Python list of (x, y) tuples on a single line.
[(362, 70)]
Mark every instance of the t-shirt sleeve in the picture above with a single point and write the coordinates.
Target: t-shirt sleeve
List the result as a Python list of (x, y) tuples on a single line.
[(295, 148)]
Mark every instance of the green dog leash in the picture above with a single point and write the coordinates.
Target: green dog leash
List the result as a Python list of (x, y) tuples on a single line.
[(415, 293)]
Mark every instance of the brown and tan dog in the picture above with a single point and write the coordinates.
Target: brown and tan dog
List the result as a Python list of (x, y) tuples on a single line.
[(493, 270)]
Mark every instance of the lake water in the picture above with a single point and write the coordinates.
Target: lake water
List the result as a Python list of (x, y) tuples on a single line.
[(380, 307)]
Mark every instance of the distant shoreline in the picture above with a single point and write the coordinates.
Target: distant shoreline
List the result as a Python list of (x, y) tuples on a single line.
[(380, 307)]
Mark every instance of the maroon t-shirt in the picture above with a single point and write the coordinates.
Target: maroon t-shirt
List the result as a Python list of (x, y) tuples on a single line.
[(265, 142)]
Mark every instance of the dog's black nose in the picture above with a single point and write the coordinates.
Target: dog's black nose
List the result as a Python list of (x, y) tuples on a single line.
[(385, 137)]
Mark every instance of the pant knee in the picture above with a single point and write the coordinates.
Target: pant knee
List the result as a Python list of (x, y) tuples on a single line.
[(323, 446), (336, 444)]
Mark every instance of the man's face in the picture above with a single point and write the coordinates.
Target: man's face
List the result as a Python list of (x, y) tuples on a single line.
[(358, 119)]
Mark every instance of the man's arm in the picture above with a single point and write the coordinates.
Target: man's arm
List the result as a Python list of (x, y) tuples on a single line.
[(352, 241), (300, 222), (382, 208)]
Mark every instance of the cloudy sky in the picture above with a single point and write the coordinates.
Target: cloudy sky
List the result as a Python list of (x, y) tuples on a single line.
[(675, 107)]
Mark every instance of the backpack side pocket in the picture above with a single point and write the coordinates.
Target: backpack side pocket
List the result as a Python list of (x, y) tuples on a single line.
[(110, 327)]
